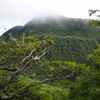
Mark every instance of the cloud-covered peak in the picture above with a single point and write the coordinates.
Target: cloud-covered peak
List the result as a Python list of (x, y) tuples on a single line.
[(46, 19)]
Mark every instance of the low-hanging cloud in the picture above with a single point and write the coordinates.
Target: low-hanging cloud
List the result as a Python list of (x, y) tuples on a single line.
[(14, 12)]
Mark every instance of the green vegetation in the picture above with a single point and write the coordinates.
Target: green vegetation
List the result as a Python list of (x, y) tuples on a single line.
[(26, 75), (21, 67), (87, 86), (28, 80), (74, 38)]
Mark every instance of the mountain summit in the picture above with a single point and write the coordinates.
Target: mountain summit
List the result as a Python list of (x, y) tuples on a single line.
[(74, 38), (46, 19)]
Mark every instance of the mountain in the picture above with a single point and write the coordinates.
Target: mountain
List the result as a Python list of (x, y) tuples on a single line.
[(74, 38)]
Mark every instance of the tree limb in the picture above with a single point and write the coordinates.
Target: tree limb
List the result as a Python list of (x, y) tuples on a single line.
[(38, 83), (29, 45), (24, 78), (8, 69), (38, 57), (23, 40), (30, 53), (14, 40), (8, 46)]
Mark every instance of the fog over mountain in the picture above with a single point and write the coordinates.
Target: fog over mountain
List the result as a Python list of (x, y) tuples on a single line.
[(47, 19), (18, 12), (74, 38)]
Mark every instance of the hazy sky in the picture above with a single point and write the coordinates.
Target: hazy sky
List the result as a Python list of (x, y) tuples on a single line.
[(18, 12)]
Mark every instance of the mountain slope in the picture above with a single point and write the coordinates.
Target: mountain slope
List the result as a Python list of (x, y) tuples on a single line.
[(74, 38)]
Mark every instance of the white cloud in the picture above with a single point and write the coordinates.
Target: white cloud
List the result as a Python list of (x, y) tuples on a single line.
[(13, 12)]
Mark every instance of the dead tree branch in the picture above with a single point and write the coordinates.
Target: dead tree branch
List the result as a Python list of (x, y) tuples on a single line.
[(38, 57), (15, 41), (31, 53)]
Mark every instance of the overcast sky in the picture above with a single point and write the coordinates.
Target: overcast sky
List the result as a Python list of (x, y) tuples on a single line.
[(18, 12)]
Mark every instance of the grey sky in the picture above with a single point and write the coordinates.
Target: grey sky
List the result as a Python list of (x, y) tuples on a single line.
[(18, 12)]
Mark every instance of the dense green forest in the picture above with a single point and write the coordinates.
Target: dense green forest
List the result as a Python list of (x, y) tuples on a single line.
[(41, 61), (74, 38)]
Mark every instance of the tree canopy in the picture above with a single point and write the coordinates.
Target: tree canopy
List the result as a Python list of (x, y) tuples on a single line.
[(22, 56)]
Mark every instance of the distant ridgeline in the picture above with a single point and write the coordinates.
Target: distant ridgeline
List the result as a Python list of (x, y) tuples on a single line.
[(74, 38)]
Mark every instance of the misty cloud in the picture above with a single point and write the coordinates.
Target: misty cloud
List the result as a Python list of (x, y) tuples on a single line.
[(18, 12)]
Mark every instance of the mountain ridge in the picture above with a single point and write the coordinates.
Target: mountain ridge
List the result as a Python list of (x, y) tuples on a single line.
[(74, 38)]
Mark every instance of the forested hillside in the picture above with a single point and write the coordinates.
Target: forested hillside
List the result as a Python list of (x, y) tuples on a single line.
[(74, 38), (41, 60)]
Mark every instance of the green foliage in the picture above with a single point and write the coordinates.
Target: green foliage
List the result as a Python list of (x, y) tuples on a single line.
[(94, 59), (47, 92), (41, 92), (19, 55), (71, 49), (94, 22), (72, 66), (87, 86), (12, 53), (30, 38)]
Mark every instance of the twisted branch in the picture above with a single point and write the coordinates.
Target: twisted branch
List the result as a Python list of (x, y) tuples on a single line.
[(8, 46), (38, 83), (14, 40), (31, 53)]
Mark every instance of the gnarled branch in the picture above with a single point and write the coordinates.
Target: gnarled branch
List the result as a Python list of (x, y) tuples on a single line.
[(38, 57), (8, 46), (31, 53), (38, 83), (15, 41)]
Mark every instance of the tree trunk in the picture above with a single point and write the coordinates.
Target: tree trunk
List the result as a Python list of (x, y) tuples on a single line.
[(8, 80)]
